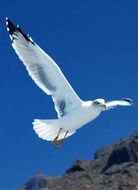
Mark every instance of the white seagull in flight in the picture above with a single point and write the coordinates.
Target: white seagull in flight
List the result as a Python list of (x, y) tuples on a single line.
[(72, 112)]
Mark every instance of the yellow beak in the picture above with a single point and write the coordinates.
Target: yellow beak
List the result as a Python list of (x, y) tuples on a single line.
[(103, 106)]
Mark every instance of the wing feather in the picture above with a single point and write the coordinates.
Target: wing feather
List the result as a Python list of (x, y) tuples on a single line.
[(123, 102), (43, 70)]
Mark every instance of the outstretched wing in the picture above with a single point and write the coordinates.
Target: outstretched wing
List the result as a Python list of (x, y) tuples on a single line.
[(43, 70), (123, 102)]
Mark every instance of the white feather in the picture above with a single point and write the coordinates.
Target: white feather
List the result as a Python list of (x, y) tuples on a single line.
[(115, 103), (48, 129), (45, 73)]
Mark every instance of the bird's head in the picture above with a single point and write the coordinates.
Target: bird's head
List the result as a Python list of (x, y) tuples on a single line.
[(99, 103)]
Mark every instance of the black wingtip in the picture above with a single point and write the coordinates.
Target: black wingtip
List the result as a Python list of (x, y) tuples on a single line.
[(128, 100), (11, 28)]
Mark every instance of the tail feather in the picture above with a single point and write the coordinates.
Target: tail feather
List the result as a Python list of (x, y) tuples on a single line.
[(48, 129)]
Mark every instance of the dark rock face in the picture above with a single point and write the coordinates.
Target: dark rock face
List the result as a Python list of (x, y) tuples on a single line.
[(36, 183), (115, 168), (76, 167)]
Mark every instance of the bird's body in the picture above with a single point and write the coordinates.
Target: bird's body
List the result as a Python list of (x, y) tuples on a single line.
[(72, 112), (70, 122), (74, 119)]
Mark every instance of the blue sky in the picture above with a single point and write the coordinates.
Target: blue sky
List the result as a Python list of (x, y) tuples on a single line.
[(95, 43)]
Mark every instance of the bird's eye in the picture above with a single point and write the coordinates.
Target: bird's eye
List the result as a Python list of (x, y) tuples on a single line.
[(96, 103)]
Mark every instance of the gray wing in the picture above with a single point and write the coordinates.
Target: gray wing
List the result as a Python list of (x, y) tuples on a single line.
[(43, 70)]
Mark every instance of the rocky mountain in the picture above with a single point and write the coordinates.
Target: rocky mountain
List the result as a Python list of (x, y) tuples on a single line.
[(115, 167)]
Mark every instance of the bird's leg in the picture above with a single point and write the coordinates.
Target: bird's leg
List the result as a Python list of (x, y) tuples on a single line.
[(56, 138), (60, 142), (65, 136)]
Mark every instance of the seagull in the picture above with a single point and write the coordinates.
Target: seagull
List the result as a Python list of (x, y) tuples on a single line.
[(72, 112)]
